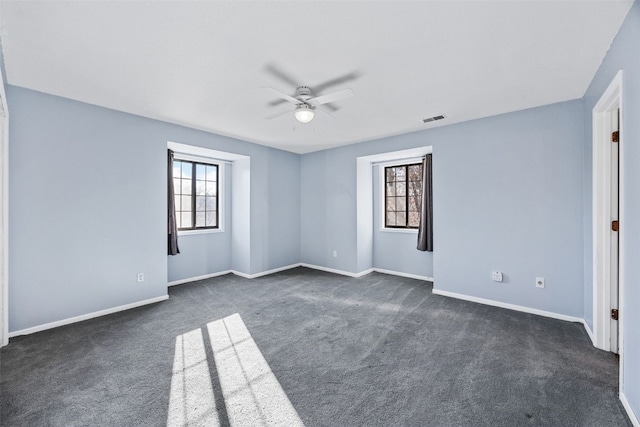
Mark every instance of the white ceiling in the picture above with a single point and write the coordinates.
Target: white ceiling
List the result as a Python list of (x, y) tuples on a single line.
[(202, 64)]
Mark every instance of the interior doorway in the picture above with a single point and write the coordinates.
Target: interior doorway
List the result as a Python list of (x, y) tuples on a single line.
[(615, 226), (608, 221), (4, 217)]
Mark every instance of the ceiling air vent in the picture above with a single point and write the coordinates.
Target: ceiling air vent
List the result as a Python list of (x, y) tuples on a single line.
[(433, 119)]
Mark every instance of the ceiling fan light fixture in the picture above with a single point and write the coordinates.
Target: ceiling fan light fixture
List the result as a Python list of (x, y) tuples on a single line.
[(304, 113)]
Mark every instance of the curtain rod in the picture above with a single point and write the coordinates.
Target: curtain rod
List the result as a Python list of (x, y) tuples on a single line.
[(398, 160)]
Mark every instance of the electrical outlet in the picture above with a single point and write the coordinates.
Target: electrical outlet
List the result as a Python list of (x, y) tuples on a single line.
[(140, 277), (539, 282), (335, 253), (496, 276)]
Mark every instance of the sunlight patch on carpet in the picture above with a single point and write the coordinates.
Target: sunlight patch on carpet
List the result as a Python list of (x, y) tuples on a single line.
[(252, 394), (191, 402)]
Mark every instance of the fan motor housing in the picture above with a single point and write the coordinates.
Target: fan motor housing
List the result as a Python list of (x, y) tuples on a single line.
[(303, 92)]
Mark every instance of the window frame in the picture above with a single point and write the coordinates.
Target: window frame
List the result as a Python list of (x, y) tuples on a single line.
[(196, 160), (382, 170)]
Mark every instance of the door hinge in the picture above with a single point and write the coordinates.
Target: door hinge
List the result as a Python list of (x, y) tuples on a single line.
[(615, 225), (614, 313), (615, 136)]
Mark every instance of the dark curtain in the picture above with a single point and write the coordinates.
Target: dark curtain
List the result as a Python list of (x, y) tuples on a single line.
[(171, 216), (425, 230)]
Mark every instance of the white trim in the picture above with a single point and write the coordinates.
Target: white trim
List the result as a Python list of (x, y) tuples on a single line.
[(195, 279), (336, 271), (399, 273), (601, 207), (508, 306), (399, 162), (398, 230), (194, 150), (630, 413), (589, 332), (265, 273), (202, 230), (4, 226), (87, 316)]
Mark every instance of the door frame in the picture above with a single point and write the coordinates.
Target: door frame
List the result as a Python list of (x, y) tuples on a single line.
[(4, 216), (609, 103)]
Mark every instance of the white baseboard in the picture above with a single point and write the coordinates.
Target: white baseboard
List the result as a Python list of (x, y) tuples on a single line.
[(265, 273), (401, 274), (508, 306), (336, 271), (195, 279), (630, 413), (589, 332), (87, 316)]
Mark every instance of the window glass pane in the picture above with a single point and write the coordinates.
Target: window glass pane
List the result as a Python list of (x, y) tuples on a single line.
[(200, 206), (200, 217), (401, 204), (414, 219), (186, 203), (400, 173), (211, 204), (212, 173), (212, 188), (391, 203), (177, 169), (400, 188), (413, 204), (186, 169), (200, 188), (176, 186), (200, 172), (391, 218), (415, 172), (176, 201), (414, 187), (390, 175), (401, 219), (391, 189), (186, 219), (211, 219), (185, 186)]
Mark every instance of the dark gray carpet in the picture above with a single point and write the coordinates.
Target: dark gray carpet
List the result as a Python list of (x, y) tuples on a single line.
[(378, 350)]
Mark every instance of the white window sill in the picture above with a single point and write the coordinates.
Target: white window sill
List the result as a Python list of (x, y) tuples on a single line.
[(206, 231), (400, 230)]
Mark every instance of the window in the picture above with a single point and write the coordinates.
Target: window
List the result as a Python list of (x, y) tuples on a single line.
[(196, 195), (403, 196)]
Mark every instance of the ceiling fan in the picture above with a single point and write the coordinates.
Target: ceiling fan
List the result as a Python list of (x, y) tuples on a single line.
[(306, 104)]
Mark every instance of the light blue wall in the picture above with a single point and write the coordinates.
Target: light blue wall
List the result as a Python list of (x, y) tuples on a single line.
[(507, 196), (396, 251), (88, 205), (624, 54), (276, 205), (207, 253)]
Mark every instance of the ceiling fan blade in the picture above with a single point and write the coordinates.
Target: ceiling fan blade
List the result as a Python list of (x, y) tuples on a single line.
[(277, 102), (281, 75), (325, 110), (282, 95), (338, 80), (331, 107), (278, 114), (332, 97)]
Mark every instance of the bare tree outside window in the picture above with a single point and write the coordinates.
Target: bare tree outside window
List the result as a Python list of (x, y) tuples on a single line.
[(403, 195)]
